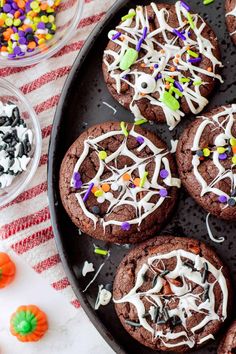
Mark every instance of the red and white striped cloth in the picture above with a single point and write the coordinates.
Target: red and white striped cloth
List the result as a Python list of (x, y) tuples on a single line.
[(25, 223)]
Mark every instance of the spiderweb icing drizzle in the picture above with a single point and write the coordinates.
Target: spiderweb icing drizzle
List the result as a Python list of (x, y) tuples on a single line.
[(126, 195), (160, 63), (188, 303), (225, 120)]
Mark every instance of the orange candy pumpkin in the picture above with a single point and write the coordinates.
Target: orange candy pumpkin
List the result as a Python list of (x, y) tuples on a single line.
[(7, 270), (28, 323)]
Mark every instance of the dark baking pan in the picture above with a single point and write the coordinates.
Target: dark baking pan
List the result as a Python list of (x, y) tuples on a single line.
[(81, 105)]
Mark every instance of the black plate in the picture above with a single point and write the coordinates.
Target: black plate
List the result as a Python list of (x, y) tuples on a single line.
[(81, 106)]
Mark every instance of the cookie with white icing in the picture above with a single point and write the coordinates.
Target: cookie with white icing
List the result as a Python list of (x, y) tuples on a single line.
[(230, 8), (118, 182), (228, 343), (206, 158), (162, 62), (172, 293)]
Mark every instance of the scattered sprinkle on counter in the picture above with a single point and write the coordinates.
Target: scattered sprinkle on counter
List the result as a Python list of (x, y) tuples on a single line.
[(15, 144), (26, 26)]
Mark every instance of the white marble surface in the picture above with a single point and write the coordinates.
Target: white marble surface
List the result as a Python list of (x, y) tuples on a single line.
[(70, 331)]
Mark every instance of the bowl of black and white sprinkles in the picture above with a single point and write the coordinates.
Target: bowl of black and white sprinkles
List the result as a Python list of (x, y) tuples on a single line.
[(20, 142)]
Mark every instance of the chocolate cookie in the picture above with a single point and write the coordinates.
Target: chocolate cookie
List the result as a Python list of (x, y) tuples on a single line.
[(172, 293), (118, 182), (206, 157), (230, 8), (228, 343), (162, 62)]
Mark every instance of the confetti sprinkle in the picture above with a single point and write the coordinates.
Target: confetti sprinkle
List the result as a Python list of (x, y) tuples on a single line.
[(163, 192), (125, 226), (140, 140), (164, 173), (102, 155), (222, 199)]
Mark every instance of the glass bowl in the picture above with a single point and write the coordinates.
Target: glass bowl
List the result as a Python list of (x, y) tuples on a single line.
[(68, 16), (8, 92)]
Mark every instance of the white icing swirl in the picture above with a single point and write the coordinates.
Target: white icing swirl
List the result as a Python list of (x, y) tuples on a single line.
[(160, 61), (187, 303)]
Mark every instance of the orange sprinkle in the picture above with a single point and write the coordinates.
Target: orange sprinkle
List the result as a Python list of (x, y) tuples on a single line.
[(32, 45), (234, 149), (137, 182), (122, 38), (4, 49), (162, 51), (44, 6), (177, 56), (126, 177), (194, 249), (17, 14), (106, 187), (188, 47), (142, 94), (94, 189), (143, 65), (176, 60), (172, 69), (202, 158), (1, 22), (167, 86), (209, 69), (152, 68), (21, 4)]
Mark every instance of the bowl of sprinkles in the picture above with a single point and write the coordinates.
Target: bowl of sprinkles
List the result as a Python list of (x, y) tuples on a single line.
[(34, 30), (20, 142)]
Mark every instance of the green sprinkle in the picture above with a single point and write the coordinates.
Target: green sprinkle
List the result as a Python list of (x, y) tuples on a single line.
[(124, 129), (207, 2), (193, 54), (129, 15), (102, 155), (169, 79), (175, 90), (190, 20), (143, 179), (101, 251), (184, 79), (170, 101), (130, 57), (140, 121), (197, 83)]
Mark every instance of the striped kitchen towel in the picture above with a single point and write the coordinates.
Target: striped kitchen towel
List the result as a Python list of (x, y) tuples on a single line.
[(25, 223)]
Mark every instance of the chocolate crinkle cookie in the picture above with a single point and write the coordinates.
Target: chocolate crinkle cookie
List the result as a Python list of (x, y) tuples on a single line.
[(228, 343), (118, 182), (230, 7), (206, 158), (172, 293), (162, 62)]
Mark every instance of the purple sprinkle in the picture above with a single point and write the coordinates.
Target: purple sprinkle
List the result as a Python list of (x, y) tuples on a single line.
[(41, 25), (21, 33), (22, 18), (15, 6), (12, 12), (159, 76), (22, 40), (163, 192), (88, 192), (7, 8), (138, 46), (76, 176), (28, 30), (223, 156), (149, 18), (156, 66), (164, 173), (125, 226), (11, 56), (116, 36), (194, 60), (125, 77), (77, 184), (145, 32), (179, 34), (140, 140), (21, 54), (222, 199), (17, 50), (132, 186), (177, 84), (189, 33), (185, 5)]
